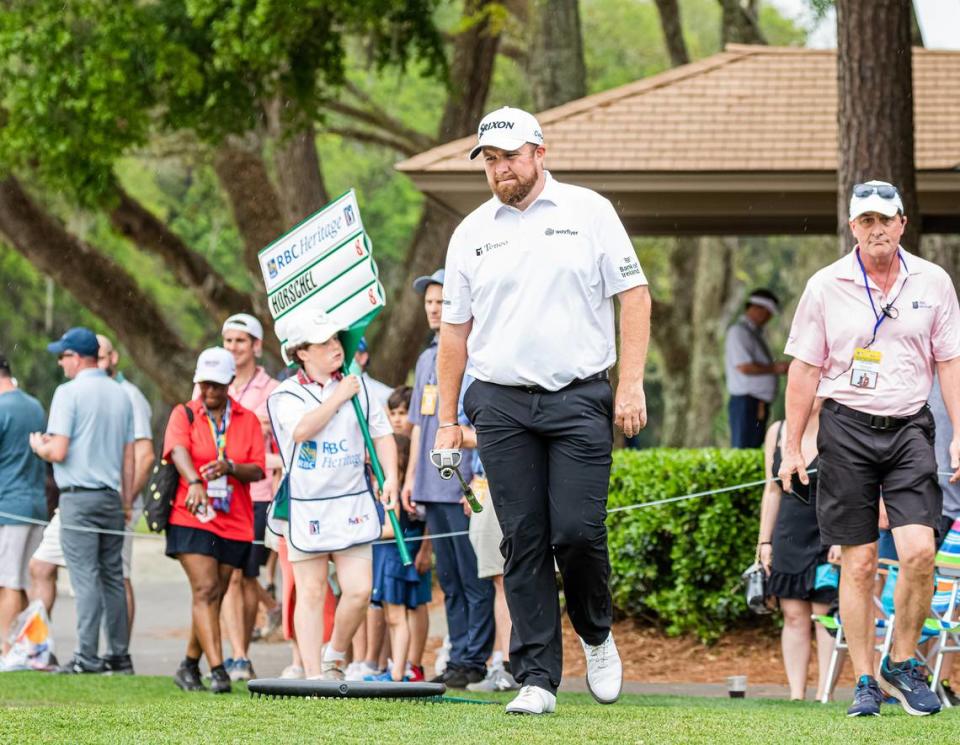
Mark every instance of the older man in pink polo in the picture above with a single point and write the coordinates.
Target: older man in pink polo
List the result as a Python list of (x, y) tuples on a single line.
[(868, 334)]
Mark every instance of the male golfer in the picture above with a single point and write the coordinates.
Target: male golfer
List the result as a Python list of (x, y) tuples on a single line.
[(530, 280), (868, 333)]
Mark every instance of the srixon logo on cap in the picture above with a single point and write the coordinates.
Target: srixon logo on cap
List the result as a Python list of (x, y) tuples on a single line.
[(495, 125)]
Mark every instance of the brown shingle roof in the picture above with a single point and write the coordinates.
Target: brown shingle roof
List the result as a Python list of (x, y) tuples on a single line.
[(749, 108)]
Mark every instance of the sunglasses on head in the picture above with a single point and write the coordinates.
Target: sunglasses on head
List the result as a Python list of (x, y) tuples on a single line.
[(884, 191)]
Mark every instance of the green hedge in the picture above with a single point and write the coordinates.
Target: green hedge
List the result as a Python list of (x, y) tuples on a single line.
[(678, 565)]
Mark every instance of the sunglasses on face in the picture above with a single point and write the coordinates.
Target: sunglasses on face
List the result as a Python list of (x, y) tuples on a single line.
[(884, 191)]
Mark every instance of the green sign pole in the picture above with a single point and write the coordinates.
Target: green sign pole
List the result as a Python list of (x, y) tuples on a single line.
[(350, 339)]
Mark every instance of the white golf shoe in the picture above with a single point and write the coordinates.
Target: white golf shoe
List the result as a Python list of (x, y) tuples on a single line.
[(533, 700), (604, 670)]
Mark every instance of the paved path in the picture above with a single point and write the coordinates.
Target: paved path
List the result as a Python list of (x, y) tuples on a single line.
[(163, 620)]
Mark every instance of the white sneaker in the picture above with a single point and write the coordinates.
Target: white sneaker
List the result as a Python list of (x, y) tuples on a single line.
[(604, 670), (360, 670), (292, 672), (533, 700), (497, 679)]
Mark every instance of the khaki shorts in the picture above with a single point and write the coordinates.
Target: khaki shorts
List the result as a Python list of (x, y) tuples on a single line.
[(17, 544), (49, 549), (485, 533)]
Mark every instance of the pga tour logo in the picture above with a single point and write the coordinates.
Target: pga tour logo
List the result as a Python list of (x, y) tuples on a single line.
[(314, 527), (348, 215)]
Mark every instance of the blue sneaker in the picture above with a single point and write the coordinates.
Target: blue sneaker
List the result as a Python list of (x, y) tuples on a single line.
[(907, 683), (866, 698), (384, 677)]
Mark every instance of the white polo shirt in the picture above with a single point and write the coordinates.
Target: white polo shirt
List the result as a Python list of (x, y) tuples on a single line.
[(539, 286)]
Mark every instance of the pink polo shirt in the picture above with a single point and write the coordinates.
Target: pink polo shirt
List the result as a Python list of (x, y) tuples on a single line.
[(253, 396), (834, 317)]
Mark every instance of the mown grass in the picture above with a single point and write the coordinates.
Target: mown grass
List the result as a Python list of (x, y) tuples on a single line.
[(37, 708)]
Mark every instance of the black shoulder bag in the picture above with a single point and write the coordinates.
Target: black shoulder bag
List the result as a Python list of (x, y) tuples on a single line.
[(162, 490)]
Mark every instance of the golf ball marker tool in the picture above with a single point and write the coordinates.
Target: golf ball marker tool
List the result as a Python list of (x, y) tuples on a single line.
[(447, 462)]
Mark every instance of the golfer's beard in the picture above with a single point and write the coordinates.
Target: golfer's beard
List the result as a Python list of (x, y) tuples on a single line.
[(515, 192)]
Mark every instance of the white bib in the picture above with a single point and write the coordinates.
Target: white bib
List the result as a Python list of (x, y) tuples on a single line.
[(331, 506)]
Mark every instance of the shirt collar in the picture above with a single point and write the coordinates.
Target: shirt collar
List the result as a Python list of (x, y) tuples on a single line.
[(89, 372), (850, 267), (549, 194)]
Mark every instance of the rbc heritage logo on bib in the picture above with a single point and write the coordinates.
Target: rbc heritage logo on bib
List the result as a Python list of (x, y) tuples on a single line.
[(307, 460)]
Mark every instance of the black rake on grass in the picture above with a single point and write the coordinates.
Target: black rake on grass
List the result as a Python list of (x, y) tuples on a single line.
[(425, 693)]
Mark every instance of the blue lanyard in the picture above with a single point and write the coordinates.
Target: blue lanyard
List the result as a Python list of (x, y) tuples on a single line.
[(880, 317), (219, 433)]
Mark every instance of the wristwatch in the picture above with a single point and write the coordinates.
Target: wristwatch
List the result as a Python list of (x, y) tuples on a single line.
[(191, 482), (231, 467)]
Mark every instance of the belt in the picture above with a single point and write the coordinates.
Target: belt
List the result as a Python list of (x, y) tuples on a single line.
[(872, 420), (74, 489), (602, 375)]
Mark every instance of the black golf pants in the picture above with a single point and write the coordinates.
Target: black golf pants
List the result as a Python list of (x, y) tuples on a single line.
[(547, 456)]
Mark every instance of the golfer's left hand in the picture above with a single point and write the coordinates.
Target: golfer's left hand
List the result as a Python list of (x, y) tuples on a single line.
[(389, 494), (955, 459), (630, 407)]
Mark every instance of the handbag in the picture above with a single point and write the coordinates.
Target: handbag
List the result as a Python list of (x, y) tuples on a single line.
[(162, 490), (755, 589)]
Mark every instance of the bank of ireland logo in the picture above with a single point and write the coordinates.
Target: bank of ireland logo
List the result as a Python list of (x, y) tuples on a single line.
[(272, 268), (348, 215)]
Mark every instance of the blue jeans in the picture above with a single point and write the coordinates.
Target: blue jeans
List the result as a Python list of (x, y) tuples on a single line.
[(468, 600), (747, 427)]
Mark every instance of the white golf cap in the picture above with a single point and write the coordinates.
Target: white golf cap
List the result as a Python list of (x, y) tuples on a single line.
[(308, 326), (764, 302), (875, 196), (215, 365), (243, 322), (508, 129)]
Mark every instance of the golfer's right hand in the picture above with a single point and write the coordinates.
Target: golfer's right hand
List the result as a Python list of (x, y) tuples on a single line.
[(792, 464), (448, 438)]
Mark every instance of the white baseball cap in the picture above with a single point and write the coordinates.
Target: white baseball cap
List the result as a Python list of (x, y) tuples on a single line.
[(215, 365), (875, 196), (243, 322), (307, 327), (508, 129)]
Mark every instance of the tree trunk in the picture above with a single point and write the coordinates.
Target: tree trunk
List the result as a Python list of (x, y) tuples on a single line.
[(875, 107), (669, 12), (297, 165), (253, 201), (143, 228), (396, 340), (556, 68), (689, 334), (945, 251), (102, 286), (739, 23)]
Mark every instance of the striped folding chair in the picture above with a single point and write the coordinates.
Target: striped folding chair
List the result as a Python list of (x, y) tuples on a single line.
[(945, 623)]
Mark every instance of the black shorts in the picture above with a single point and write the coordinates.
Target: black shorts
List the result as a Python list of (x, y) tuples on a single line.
[(857, 462), (184, 540), (258, 552)]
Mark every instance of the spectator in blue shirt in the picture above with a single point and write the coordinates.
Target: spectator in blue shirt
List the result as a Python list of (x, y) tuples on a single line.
[(22, 494), (468, 600)]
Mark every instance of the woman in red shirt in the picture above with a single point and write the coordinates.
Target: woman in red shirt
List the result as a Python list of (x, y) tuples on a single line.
[(218, 452)]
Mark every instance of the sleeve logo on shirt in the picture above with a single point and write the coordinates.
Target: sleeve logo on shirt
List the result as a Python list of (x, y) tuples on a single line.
[(630, 267), (307, 460), (560, 231)]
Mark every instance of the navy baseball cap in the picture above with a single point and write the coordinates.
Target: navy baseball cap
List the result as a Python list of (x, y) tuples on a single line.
[(420, 284), (78, 339)]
